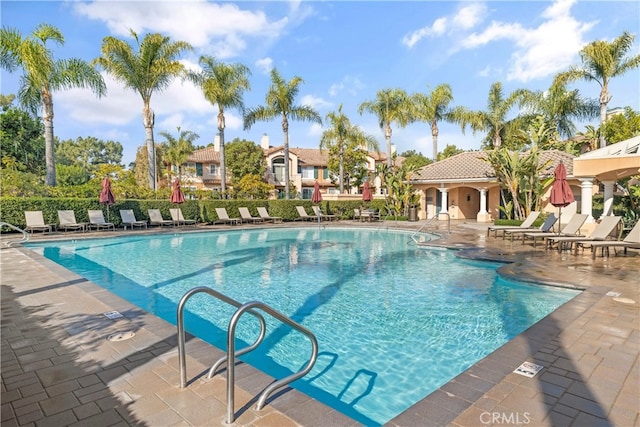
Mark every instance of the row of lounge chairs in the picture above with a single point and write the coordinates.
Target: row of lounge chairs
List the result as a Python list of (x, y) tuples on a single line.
[(569, 238), (67, 219), (318, 215)]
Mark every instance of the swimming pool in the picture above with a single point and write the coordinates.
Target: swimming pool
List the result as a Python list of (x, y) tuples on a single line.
[(394, 321)]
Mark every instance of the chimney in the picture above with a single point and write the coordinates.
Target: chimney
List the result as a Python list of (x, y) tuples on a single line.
[(264, 141), (216, 143)]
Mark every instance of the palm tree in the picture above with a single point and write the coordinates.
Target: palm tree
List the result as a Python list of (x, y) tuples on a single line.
[(343, 135), (602, 61), (280, 100), (150, 69), (559, 106), (222, 84), (177, 150), (434, 107), (390, 105), (494, 119), (43, 75)]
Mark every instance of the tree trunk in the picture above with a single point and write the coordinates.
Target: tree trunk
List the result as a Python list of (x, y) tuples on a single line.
[(147, 120), (604, 100), (387, 137), (223, 166), (50, 163), (341, 171), (285, 129), (434, 134)]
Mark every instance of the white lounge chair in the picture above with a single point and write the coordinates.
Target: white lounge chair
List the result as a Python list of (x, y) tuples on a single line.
[(527, 223), (571, 229), (632, 240), (601, 232), (246, 216), (304, 216), (155, 218), (35, 222), (178, 218), (264, 214), (129, 219), (546, 227), (223, 217), (323, 216), (67, 219), (96, 220)]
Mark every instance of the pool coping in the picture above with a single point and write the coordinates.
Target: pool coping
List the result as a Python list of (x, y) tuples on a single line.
[(447, 405)]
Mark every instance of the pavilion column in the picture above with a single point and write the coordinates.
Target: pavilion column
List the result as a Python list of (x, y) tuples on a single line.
[(608, 197), (586, 206), (483, 215), (444, 192)]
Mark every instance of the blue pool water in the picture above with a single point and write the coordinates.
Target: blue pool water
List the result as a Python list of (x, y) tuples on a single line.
[(394, 321)]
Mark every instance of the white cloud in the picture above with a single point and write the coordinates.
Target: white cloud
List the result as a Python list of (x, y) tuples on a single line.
[(541, 51), (220, 28), (265, 65), (466, 17), (315, 130), (315, 102), (351, 85)]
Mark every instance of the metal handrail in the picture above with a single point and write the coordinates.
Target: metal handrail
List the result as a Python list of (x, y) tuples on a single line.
[(182, 359), (429, 221), (25, 235), (231, 355)]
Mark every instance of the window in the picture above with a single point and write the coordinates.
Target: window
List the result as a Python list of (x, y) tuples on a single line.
[(309, 172), (278, 169), (307, 193), (198, 169), (213, 170)]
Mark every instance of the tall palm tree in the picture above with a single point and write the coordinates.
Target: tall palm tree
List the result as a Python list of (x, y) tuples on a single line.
[(342, 135), (150, 69), (222, 84), (493, 120), (559, 106), (390, 106), (434, 107), (43, 75), (177, 150), (280, 100), (602, 61)]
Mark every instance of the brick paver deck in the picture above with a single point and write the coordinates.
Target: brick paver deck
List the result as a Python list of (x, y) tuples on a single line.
[(58, 367)]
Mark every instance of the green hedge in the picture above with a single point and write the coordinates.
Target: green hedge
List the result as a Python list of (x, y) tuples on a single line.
[(12, 208)]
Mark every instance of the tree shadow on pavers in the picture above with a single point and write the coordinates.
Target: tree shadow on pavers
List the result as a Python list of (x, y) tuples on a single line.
[(41, 373)]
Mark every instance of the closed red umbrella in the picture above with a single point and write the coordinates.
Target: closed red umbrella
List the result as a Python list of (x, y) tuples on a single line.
[(561, 194), (176, 195), (316, 197), (366, 192), (106, 195)]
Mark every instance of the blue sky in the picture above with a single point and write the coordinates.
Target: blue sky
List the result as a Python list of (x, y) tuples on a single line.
[(345, 51)]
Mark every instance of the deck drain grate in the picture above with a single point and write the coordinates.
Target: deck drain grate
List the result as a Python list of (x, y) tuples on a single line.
[(113, 315), (528, 369), (121, 336)]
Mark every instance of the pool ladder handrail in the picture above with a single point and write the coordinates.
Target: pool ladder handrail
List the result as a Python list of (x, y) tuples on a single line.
[(231, 351), (429, 221), (25, 235)]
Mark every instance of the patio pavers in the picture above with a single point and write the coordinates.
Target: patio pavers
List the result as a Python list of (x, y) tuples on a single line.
[(58, 368)]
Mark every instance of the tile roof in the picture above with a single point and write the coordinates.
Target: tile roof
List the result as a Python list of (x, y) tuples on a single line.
[(205, 155), (471, 166)]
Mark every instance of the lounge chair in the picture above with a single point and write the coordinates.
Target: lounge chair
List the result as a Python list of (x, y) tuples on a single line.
[(304, 216), (356, 214), (369, 215), (546, 226), (323, 216), (265, 215), (96, 220), (631, 241), (178, 218), (601, 232), (246, 216), (67, 219), (571, 229), (129, 219), (224, 218), (526, 224), (155, 218), (35, 222)]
